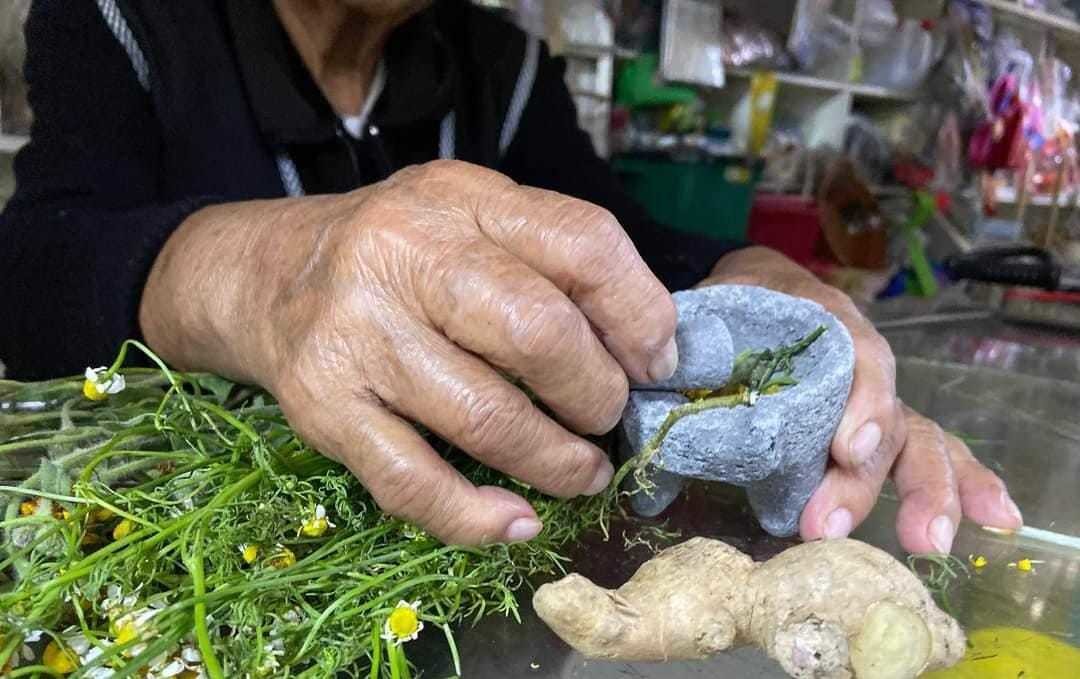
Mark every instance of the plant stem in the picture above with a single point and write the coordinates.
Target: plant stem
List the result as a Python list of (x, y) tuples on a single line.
[(202, 634)]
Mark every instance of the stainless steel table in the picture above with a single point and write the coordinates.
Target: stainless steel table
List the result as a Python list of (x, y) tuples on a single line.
[(1012, 392)]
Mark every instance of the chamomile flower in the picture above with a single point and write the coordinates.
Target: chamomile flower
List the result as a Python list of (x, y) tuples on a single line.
[(249, 552), (29, 507), (1025, 565), (22, 654), (404, 623), (283, 557), (98, 385), (186, 663), (123, 529), (116, 602), (129, 624), (317, 524), (60, 658), (273, 649)]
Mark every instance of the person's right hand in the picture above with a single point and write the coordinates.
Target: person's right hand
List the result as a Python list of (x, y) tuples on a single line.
[(407, 301)]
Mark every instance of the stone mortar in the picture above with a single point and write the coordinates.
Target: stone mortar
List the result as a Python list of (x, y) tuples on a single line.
[(776, 449)]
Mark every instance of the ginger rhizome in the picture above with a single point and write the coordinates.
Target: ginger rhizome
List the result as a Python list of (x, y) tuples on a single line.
[(835, 609)]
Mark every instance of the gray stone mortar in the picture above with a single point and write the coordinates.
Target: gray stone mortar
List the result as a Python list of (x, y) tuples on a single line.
[(777, 448)]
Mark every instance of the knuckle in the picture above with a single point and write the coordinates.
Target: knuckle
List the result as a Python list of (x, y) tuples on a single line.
[(610, 406), (594, 232), (543, 326), (400, 489), (573, 475), (457, 172), (665, 317), (601, 225), (490, 417)]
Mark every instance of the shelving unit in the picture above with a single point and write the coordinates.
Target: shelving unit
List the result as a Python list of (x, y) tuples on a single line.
[(1006, 195), (1062, 26), (10, 143), (861, 90)]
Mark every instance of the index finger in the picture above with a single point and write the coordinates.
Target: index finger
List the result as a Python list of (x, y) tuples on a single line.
[(585, 252)]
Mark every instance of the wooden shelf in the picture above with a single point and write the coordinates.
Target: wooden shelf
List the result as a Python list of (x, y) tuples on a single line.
[(10, 143), (1062, 25), (861, 90)]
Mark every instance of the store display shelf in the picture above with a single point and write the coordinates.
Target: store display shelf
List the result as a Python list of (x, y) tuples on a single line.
[(1057, 23), (814, 83), (1006, 195), (10, 143)]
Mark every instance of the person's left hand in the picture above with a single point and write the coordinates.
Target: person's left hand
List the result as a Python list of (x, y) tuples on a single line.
[(937, 478)]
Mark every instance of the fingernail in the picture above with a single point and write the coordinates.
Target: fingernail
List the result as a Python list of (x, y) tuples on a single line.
[(1011, 507), (664, 363), (865, 443), (942, 531), (838, 524), (521, 530), (602, 479)]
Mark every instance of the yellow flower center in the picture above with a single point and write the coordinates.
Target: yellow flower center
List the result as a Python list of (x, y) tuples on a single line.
[(125, 632), (101, 515), (249, 553), (315, 527), (91, 391), (1024, 565), (59, 658), (283, 558), (403, 622), (28, 507), (123, 529)]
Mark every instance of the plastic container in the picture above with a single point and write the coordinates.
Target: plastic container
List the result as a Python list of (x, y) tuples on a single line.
[(788, 223), (903, 63), (711, 197)]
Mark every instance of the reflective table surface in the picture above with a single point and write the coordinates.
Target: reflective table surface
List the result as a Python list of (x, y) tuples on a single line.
[(1012, 392)]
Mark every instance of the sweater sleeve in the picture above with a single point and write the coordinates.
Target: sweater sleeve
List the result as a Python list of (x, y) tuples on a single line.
[(551, 151), (87, 219)]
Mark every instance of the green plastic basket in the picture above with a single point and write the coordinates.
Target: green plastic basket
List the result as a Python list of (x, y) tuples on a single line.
[(711, 197)]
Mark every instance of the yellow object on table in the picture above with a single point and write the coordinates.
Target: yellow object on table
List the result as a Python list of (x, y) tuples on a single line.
[(1011, 652)]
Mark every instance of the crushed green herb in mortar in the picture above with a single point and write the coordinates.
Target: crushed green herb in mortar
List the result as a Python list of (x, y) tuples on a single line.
[(755, 373)]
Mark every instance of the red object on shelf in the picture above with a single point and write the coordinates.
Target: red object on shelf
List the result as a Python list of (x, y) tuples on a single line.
[(790, 224)]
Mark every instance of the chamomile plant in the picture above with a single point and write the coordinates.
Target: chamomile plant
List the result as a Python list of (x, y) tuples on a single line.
[(159, 524)]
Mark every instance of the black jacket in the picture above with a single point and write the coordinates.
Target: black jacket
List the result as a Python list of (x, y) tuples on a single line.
[(146, 111)]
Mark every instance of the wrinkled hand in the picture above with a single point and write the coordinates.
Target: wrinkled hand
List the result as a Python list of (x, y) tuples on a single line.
[(405, 301), (936, 476)]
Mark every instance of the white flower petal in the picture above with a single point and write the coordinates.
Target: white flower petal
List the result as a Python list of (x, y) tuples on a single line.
[(92, 654), (320, 512), (175, 667), (91, 374), (191, 655), (116, 384), (78, 644), (33, 635)]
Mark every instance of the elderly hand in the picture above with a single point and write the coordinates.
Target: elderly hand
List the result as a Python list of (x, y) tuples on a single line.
[(936, 476), (406, 300)]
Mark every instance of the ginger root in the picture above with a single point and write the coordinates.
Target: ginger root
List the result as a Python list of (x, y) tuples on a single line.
[(834, 609)]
